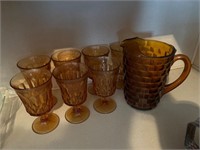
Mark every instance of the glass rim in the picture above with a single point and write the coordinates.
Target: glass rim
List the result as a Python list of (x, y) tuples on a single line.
[(67, 64), (117, 43), (66, 50), (107, 58), (90, 46), (30, 70), (151, 40), (33, 56)]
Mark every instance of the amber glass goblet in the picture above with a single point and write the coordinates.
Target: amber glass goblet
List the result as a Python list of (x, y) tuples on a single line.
[(104, 74), (64, 55), (34, 89), (34, 62), (72, 80), (117, 51), (89, 54)]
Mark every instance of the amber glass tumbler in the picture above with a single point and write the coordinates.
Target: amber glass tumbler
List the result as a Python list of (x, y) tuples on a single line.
[(34, 88)]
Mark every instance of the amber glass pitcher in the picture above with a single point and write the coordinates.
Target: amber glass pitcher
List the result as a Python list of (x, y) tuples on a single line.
[(146, 67)]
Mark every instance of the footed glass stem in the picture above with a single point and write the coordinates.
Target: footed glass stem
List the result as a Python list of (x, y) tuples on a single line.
[(104, 105), (45, 123), (77, 114), (91, 88)]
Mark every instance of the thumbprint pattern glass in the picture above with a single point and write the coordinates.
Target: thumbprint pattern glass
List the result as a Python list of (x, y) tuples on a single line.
[(104, 73), (72, 80), (34, 62), (89, 54), (64, 55), (34, 89)]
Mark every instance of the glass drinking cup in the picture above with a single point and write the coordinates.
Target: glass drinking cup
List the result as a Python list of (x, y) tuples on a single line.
[(146, 65), (64, 55), (72, 80), (89, 55), (34, 89), (35, 62), (104, 75), (117, 51)]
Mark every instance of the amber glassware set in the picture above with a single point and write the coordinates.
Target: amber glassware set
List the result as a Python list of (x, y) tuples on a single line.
[(34, 84), (138, 66)]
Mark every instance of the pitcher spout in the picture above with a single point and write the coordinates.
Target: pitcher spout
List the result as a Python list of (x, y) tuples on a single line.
[(127, 42)]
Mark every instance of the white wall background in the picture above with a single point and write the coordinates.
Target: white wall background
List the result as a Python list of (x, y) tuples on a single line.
[(39, 27)]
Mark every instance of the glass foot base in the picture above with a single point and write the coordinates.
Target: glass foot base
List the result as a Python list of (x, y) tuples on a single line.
[(47, 126), (105, 107), (77, 115), (91, 89)]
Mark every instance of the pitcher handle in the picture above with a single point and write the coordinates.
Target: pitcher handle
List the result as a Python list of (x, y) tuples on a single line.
[(184, 74)]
